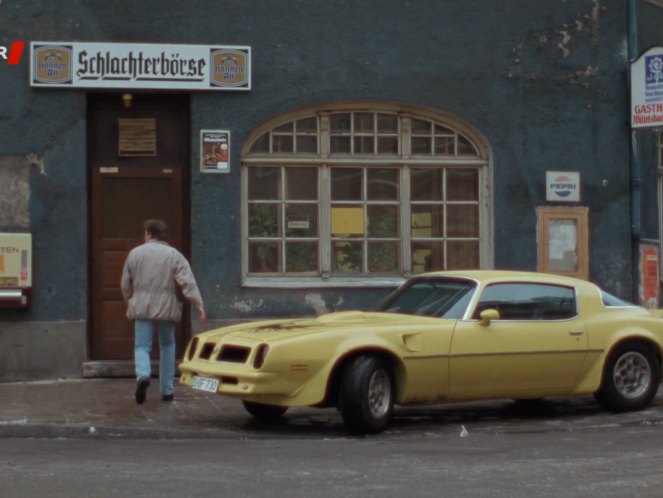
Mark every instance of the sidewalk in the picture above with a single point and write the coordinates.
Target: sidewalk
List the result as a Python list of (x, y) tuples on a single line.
[(83, 408)]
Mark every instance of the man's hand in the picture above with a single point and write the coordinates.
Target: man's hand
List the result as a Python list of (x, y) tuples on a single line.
[(202, 316)]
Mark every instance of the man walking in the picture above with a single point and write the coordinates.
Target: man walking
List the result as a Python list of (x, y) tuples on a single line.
[(152, 275)]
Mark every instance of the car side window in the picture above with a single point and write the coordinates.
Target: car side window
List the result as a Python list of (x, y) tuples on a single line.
[(525, 301)]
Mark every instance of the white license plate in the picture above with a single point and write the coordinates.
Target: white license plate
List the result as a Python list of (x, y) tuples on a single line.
[(205, 384)]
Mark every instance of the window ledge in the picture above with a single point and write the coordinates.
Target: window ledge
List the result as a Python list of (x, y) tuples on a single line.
[(317, 283)]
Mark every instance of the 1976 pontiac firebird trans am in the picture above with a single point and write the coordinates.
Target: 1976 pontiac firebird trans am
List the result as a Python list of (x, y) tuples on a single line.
[(440, 337)]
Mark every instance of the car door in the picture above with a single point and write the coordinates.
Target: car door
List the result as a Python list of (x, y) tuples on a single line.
[(535, 348)]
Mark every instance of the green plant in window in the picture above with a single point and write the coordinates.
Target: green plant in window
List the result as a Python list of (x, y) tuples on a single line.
[(383, 222), (383, 258), (301, 257), (263, 222)]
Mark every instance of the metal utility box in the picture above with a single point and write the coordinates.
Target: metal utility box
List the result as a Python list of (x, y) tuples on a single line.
[(15, 270)]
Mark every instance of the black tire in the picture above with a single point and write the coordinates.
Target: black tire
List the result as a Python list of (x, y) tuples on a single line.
[(630, 378), (366, 396), (266, 413)]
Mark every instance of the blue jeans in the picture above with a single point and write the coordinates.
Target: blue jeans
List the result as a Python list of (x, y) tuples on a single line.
[(143, 346)]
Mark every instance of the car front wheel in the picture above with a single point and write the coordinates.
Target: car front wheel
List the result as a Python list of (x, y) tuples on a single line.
[(264, 412), (366, 397), (630, 378)]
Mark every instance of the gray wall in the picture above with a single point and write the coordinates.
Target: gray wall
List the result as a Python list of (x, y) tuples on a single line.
[(544, 81)]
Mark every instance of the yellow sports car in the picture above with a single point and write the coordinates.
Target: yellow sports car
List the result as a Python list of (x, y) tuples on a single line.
[(445, 336)]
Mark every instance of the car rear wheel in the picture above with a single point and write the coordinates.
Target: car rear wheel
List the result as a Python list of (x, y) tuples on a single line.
[(366, 397), (264, 412), (630, 378)]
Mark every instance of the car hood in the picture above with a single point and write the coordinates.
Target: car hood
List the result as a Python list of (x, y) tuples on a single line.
[(276, 330)]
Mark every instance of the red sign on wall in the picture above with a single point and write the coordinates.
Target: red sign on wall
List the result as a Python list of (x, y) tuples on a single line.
[(649, 276)]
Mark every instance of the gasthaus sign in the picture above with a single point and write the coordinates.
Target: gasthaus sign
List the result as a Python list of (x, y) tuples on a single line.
[(647, 89), (139, 65)]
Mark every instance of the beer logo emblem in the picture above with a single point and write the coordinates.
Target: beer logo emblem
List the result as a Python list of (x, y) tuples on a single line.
[(229, 68), (52, 64)]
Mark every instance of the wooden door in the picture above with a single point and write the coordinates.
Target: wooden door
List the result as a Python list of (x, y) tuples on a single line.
[(138, 159)]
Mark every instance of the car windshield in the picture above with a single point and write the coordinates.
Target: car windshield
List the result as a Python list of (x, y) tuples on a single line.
[(437, 297)]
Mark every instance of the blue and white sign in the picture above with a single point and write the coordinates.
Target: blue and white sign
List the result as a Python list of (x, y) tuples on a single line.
[(647, 89), (562, 186)]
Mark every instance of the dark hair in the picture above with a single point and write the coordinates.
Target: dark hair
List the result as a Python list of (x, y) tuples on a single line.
[(157, 229)]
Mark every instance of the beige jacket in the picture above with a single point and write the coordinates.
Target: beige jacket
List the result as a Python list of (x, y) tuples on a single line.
[(151, 275)]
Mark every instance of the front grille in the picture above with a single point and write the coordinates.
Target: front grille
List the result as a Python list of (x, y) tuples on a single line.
[(234, 354), (206, 352)]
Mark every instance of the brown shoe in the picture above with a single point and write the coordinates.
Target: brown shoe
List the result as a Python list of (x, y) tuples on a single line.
[(167, 397)]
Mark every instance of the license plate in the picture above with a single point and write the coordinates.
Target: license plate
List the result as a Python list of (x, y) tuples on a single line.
[(205, 384)]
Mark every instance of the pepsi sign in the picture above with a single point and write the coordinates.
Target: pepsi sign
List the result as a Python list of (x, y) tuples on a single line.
[(562, 186)]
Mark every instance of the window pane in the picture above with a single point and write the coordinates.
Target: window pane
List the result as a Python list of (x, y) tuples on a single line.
[(419, 126), (443, 130), (307, 144), (388, 145), (301, 257), (263, 220), (364, 121), (307, 125), (462, 254), (364, 145), (340, 145), (427, 220), (281, 143), (421, 145), (427, 256), (301, 184), (261, 144), (465, 148), (444, 146), (426, 184), (383, 221), (263, 257), (383, 184), (340, 122), (346, 184), (383, 257), (563, 245), (301, 220), (463, 185), (387, 123), (462, 220), (347, 221), (285, 128), (264, 183), (347, 257)]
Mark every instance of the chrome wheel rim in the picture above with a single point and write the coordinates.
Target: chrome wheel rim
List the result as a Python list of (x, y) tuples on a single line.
[(632, 375), (379, 393)]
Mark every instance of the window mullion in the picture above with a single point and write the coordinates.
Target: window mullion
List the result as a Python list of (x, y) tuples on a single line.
[(406, 220), (324, 213)]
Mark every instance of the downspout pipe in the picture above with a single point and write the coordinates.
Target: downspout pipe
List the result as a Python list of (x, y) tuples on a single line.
[(635, 171)]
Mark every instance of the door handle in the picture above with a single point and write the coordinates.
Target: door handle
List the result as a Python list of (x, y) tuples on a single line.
[(576, 332)]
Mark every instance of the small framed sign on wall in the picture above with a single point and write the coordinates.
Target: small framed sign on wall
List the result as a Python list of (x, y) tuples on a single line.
[(215, 151)]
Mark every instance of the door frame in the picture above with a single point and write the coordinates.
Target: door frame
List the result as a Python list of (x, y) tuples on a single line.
[(114, 102)]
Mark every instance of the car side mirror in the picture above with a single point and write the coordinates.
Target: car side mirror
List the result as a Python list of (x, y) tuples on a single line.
[(487, 316)]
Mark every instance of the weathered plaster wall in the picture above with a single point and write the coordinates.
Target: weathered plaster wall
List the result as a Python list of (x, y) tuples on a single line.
[(544, 82)]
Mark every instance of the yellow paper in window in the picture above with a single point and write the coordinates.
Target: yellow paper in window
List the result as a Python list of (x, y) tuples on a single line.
[(347, 221), (2, 263)]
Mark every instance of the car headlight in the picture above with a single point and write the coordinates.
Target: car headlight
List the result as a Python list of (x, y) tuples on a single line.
[(261, 354)]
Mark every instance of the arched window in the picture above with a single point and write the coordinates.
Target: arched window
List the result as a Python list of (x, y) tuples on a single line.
[(361, 194)]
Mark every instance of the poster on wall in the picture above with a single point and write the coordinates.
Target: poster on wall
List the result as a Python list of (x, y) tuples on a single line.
[(215, 151)]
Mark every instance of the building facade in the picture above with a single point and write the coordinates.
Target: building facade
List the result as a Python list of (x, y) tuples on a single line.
[(310, 156)]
